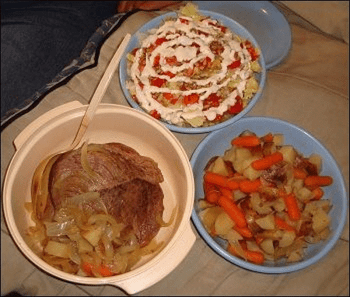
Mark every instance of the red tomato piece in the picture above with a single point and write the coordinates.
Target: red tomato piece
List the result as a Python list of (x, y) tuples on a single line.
[(156, 61), (157, 82), (237, 107), (234, 64), (212, 101), (170, 74), (191, 99), (171, 60), (159, 41), (170, 97)]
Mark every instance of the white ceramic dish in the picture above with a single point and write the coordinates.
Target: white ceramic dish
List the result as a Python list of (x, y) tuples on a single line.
[(217, 142), (112, 123), (234, 27)]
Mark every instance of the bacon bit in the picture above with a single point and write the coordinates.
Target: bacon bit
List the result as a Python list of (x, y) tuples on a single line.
[(183, 21), (154, 113)]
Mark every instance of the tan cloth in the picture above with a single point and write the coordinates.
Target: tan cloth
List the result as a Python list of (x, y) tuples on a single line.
[(309, 89)]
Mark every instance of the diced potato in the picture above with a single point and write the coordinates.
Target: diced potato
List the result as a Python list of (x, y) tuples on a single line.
[(223, 224), (304, 194), (219, 167), (203, 204), (267, 246), (251, 173), (57, 249), (317, 161), (279, 205), (289, 153), (266, 222), (258, 205), (252, 246), (230, 154), (238, 194), (233, 236), (243, 153), (287, 239), (295, 256), (209, 215), (320, 220), (297, 184), (93, 236), (278, 139)]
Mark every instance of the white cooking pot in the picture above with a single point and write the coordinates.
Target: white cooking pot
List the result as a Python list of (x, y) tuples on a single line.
[(54, 131)]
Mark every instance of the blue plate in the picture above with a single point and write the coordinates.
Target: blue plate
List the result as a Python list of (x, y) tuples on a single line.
[(234, 27), (216, 143), (263, 20)]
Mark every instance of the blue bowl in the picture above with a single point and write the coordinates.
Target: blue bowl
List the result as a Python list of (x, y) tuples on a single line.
[(218, 142), (235, 28)]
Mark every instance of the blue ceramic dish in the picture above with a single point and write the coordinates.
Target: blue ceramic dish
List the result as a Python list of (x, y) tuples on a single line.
[(234, 27), (217, 142)]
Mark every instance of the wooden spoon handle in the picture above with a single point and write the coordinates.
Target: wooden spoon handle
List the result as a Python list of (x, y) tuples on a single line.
[(100, 91)]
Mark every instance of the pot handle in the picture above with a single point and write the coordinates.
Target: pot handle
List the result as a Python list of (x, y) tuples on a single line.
[(161, 269), (42, 120)]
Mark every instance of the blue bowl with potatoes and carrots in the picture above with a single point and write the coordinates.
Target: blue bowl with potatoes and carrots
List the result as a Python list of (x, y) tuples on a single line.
[(269, 196)]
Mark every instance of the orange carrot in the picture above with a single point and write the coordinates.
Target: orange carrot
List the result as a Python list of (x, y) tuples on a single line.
[(104, 270), (212, 194), (259, 239), (235, 213), (220, 180), (299, 173), (87, 268), (246, 141), (314, 181), (267, 161), (250, 186), (244, 231), (317, 193), (282, 224), (226, 192), (252, 256), (293, 210)]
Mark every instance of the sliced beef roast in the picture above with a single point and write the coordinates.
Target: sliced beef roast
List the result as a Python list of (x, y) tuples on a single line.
[(128, 184)]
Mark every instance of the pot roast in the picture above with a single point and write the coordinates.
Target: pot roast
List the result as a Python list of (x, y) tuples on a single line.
[(128, 184)]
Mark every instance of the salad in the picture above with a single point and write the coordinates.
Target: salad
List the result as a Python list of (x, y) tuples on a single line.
[(193, 71), (265, 199)]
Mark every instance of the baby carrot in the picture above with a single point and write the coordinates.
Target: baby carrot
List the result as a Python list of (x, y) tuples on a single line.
[(299, 173), (246, 141), (267, 138), (313, 181), (249, 186), (293, 210), (317, 193), (244, 231), (220, 180), (104, 270), (226, 192), (233, 211), (282, 224), (254, 256), (267, 161)]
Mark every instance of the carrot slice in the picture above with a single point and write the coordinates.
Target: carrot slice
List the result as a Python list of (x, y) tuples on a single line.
[(293, 210), (244, 231), (212, 193), (268, 161), (282, 224), (235, 213), (317, 193), (246, 141), (220, 180), (249, 186), (314, 181), (299, 173)]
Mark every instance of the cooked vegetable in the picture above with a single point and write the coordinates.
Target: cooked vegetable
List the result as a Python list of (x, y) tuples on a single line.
[(269, 199)]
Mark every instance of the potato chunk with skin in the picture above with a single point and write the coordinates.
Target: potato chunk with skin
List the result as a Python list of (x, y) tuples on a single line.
[(219, 167), (223, 224), (266, 222), (289, 153)]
